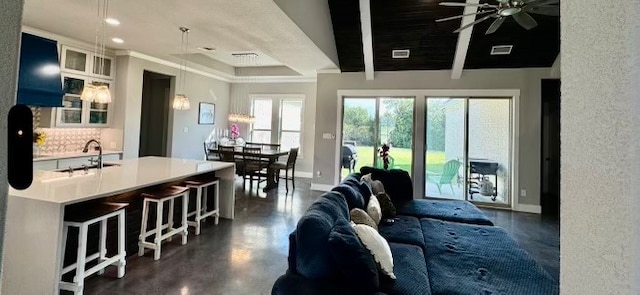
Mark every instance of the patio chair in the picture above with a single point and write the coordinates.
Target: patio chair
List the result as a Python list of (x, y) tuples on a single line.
[(447, 176)]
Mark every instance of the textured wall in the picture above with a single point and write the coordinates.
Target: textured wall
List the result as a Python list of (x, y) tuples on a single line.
[(10, 19), (527, 80), (600, 182)]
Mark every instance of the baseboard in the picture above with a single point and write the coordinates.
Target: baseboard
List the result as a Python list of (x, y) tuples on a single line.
[(536, 209), (321, 187)]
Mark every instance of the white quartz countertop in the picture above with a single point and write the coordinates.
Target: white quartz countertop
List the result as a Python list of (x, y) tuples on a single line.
[(69, 155), (58, 187)]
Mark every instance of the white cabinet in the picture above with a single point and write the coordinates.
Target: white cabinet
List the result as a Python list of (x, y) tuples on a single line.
[(80, 68), (84, 62), (45, 165)]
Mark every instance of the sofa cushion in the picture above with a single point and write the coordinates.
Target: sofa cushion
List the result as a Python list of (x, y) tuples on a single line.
[(361, 186), (397, 183), (312, 234), (352, 196), (405, 229), (475, 259), (410, 270), (353, 260), (388, 209), (359, 216), (458, 211)]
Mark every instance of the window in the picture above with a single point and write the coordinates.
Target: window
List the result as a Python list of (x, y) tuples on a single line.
[(277, 119)]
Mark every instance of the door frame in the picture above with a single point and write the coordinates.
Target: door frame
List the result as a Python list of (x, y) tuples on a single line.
[(419, 127)]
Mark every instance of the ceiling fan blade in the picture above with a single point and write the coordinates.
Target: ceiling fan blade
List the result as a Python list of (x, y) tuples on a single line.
[(459, 4), (525, 20), (495, 25), (541, 2), (545, 10), (475, 22), (461, 16)]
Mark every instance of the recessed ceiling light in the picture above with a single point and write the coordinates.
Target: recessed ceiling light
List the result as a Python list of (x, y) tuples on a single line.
[(117, 40), (209, 49), (112, 21)]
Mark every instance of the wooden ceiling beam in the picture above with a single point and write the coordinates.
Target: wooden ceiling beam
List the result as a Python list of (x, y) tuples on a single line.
[(367, 38), (464, 40)]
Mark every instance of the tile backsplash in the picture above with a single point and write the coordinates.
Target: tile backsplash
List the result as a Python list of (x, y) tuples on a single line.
[(62, 140)]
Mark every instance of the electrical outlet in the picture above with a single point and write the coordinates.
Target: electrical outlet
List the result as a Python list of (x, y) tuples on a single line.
[(185, 130), (523, 192)]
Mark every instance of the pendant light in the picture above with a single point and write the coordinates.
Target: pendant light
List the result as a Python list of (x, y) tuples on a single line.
[(241, 114), (181, 101), (98, 92)]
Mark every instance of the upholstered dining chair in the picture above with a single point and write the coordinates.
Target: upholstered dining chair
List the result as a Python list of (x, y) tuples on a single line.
[(253, 165), (289, 165)]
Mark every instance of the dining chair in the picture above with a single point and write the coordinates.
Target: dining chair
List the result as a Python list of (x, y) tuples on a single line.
[(271, 146), (208, 155), (289, 165), (253, 144), (253, 165), (227, 154)]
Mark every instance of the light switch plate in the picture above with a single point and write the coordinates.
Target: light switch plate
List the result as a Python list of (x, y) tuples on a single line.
[(523, 192), (328, 136), (186, 129)]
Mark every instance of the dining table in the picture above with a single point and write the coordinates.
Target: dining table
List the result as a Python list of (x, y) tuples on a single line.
[(268, 154)]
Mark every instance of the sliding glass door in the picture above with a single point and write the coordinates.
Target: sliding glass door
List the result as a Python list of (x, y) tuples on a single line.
[(468, 149), (367, 124)]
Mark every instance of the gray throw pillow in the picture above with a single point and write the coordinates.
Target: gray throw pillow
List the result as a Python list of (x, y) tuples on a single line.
[(359, 216), (388, 209), (377, 187)]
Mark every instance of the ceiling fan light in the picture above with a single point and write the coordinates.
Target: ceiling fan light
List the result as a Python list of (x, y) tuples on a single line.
[(181, 102), (509, 11)]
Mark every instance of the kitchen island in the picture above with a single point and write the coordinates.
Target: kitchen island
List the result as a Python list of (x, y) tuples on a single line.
[(33, 237)]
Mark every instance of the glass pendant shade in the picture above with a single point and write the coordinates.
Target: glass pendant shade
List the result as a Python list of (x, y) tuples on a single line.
[(94, 93), (88, 93), (181, 102)]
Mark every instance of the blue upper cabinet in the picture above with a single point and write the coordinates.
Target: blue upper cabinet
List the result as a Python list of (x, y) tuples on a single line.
[(39, 82)]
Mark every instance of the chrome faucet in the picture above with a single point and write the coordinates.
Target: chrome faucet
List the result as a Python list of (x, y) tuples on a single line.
[(86, 149)]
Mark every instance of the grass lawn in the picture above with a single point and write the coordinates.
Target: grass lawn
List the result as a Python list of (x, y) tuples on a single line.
[(402, 159)]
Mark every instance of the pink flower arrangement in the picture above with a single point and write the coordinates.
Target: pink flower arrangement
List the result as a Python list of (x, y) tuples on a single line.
[(235, 131)]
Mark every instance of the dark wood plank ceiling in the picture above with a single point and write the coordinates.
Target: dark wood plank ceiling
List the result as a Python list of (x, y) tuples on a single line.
[(410, 24)]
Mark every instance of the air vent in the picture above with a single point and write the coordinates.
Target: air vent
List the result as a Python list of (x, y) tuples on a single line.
[(404, 53), (501, 50)]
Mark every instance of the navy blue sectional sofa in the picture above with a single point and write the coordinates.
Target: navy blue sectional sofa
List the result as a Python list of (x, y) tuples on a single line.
[(438, 247)]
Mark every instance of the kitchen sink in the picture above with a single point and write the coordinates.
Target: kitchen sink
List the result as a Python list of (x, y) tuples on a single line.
[(80, 168)]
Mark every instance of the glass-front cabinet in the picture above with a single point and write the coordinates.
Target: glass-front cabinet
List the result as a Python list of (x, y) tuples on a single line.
[(80, 67), (77, 113)]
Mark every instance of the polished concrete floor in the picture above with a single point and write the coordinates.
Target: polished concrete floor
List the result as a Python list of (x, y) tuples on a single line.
[(246, 255)]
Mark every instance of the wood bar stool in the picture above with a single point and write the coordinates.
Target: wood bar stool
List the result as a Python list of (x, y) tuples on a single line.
[(201, 185), (82, 218), (159, 197)]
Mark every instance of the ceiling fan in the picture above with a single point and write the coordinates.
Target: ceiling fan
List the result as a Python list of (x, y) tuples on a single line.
[(518, 9)]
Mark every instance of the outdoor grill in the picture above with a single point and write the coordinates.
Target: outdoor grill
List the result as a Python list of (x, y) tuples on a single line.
[(349, 157)]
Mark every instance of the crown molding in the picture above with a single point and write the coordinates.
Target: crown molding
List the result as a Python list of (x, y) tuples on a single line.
[(218, 75)]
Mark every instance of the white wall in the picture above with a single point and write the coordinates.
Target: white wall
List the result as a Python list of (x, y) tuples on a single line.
[(10, 16), (185, 143), (600, 156), (240, 93), (528, 81)]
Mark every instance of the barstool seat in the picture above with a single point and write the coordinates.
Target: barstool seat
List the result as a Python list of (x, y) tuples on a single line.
[(82, 218), (201, 184), (159, 196)]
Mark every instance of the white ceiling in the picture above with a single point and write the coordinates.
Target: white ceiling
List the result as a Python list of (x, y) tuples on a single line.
[(151, 27)]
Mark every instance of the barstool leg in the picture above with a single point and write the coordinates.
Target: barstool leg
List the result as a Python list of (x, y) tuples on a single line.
[(121, 244), (205, 202), (216, 202), (170, 217), (65, 233), (78, 280), (198, 208), (143, 227), (103, 243), (158, 236), (185, 225)]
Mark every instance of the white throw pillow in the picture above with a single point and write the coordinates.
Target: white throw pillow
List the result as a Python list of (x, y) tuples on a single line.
[(378, 247), (374, 210)]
